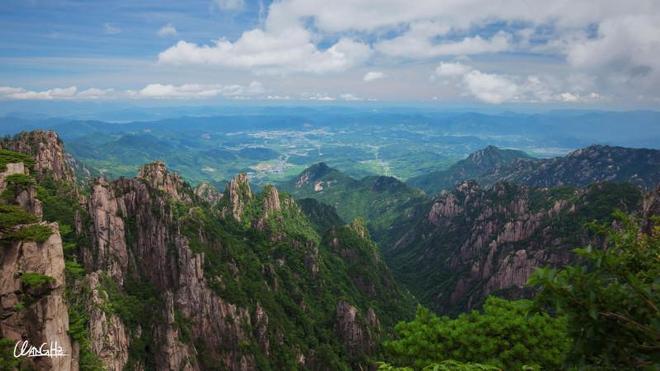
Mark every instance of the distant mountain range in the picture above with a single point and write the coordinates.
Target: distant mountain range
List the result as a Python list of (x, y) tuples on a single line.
[(580, 168), (499, 215)]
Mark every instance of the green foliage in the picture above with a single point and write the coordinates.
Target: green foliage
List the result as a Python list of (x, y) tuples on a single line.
[(33, 232), (322, 216), (611, 300), (10, 157), (73, 269), (7, 360), (507, 334), (36, 280), (12, 215), (16, 183), (449, 365), (380, 200), (134, 305), (78, 330)]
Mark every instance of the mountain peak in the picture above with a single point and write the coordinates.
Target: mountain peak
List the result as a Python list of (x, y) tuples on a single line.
[(207, 192), (238, 193), (314, 174), (47, 149), (492, 155), (159, 177)]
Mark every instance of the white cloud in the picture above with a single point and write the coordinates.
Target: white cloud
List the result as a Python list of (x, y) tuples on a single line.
[(94, 93), (200, 90), (280, 52), (361, 15), (110, 29), (490, 88), (349, 97), (317, 97), (629, 46), (415, 44), (167, 31), (150, 91), (230, 4), (496, 88), (373, 75), (615, 43), (445, 69), (8, 92)]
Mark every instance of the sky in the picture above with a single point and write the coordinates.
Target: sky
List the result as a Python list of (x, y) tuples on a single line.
[(578, 53)]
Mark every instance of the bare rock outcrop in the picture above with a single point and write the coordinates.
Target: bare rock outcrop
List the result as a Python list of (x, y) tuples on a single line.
[(108, 232), (355, 331), (158, 177), (48, 152), (208, 193), (36, 313), (237, 194), (109, 337)]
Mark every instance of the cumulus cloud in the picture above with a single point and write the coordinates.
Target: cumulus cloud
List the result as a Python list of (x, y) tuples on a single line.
[(415, 45), (615, 42), (627, 45), (445, 69), (373, 75), (289, 50), (199, 90), (167, 31), (94, 93), (494, 88), (150, 91), (490, 88), (361, 15), (8, 92)]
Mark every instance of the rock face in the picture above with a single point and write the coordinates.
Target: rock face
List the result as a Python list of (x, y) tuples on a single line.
[(108, 335), (473, 242), (109, 237), (34, 310), (208, 193), (158, 177), (238, 194), (44, 317), (356, 332), (48, 152), (651, 208)]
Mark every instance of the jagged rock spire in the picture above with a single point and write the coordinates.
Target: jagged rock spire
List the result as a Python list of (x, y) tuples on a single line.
[(158, 177), (208, 193), (238, 194)]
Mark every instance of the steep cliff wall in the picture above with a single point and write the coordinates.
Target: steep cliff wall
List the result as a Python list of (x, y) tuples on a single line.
[(473, 242)]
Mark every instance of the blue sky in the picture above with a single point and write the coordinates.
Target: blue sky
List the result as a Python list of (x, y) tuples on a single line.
[(569, 53)]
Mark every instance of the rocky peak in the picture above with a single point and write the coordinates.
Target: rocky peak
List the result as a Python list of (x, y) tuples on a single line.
[(47, 150), (493, 156), (360, 227), (271, 200), (238, 193), (650, 209), (356, 332), (208, 193), (313, 173), (158, 177)]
